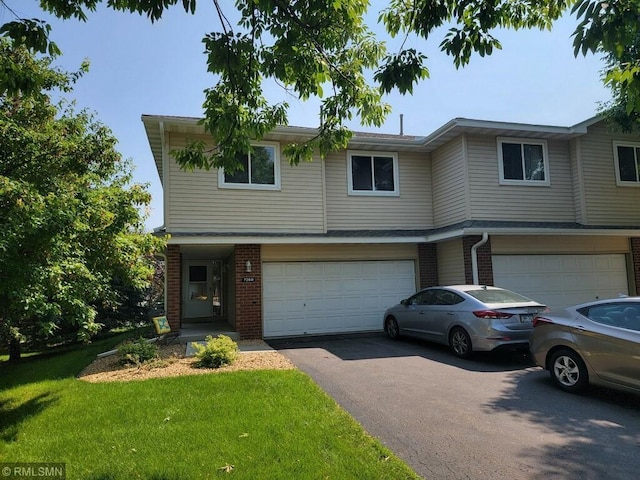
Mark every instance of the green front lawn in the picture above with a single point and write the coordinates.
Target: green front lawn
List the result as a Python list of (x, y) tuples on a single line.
[(250, 425)]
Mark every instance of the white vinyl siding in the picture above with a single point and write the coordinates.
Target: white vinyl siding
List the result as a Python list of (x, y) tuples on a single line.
[(451, 263), (606, 202), (448, 170), (412, 209), (311, 298), (196, 204), (491, 201)]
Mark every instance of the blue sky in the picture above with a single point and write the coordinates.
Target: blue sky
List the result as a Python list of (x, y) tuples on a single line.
[(139, 68)]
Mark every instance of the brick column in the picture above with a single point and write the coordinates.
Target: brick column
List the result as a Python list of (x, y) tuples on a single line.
[(428, 264), (174, 286), (635, 260), (248, 291), (485, 266)]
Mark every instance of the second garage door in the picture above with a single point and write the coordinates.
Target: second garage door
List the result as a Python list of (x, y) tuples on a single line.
[(562, 280), (311, 298)]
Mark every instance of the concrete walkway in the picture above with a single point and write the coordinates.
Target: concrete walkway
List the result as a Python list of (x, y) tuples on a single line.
[(245, 346)]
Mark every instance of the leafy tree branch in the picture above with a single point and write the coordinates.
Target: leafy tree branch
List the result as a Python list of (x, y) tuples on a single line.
[(324, 49)]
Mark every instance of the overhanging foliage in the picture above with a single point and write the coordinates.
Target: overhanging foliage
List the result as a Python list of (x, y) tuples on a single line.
[(324, 49)]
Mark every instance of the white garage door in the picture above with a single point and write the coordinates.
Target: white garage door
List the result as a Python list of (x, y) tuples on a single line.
[(313, 298), (562, 280)]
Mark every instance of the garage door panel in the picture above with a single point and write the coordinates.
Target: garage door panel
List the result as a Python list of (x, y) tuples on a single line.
[(562, 280), (332, 297), (293, 271), (273, 289)]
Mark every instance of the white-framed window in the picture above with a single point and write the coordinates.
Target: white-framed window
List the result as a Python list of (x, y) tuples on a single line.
[(261, 169), (627, 158), (372, 173), (523, 161)]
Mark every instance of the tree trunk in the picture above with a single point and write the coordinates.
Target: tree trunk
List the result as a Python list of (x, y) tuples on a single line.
[(14, 350)]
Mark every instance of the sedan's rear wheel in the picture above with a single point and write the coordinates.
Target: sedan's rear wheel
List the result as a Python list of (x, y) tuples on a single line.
[(568, 371), (391, 328), (460, 343)]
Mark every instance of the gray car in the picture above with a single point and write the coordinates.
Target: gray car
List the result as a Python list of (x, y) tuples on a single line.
[(468, 318), (596, 342)]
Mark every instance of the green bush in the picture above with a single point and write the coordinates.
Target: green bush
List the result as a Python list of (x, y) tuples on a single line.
[(217, 352), (137, 352)]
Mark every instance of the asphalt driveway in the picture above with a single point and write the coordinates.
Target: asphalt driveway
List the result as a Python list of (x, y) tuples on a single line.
[(496, 416)]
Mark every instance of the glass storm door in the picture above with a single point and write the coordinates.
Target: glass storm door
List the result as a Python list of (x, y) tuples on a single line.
[(217, 288), (198, 290)]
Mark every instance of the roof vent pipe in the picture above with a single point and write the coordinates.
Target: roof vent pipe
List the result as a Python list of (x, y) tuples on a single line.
[(401, 124), (474, 257)]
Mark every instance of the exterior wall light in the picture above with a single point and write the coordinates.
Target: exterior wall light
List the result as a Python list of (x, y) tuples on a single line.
[(247, 267)]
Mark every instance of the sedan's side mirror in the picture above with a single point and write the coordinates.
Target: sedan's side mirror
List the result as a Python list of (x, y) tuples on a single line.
[(404, 302)]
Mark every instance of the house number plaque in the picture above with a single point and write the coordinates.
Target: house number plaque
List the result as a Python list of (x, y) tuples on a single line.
[(248, 279)]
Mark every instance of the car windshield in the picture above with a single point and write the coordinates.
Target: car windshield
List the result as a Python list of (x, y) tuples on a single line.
[(497, 296)]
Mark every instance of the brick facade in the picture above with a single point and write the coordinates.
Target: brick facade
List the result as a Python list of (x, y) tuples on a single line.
[(428, 264), (248, 293), (635, 260), (485, 266), (174, 286)]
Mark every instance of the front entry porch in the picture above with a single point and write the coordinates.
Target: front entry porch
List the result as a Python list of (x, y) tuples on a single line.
[(198, 331), (214, 288)]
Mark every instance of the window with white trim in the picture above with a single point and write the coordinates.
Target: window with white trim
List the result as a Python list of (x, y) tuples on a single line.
[(372, 173), (260, 169), (627, 157), (523, 161)]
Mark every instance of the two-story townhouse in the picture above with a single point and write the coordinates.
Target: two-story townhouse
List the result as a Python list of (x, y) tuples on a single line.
[(325, 246)]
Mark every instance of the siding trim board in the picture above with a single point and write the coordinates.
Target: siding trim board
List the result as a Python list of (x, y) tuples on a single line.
[(465, 165), (290, 240), (406, 236), (577, 172), (164, 176)]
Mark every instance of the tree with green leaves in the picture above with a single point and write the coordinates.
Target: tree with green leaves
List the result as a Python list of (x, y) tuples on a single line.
[(613, 29), (320, 48), (70, 222)]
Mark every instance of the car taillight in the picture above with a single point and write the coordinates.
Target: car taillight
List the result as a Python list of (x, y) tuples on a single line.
[(537, 321), (491, 314)]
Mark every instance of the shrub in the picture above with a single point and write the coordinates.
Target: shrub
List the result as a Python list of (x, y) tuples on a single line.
[(217, 352), (137, 352)]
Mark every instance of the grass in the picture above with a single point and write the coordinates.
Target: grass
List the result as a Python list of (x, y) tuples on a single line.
[(244, 425)]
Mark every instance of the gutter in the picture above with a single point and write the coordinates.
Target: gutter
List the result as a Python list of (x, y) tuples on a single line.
[(474, 257)]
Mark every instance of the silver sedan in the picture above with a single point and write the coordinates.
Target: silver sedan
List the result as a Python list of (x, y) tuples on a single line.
[(468, 318), (596, 342)]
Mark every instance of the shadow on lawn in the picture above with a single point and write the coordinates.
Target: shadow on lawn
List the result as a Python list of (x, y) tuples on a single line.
[(12, 418), (56, 364), (47, 366)]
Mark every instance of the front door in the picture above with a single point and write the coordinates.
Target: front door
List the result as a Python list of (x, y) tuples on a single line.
[(198, 301), (203, 289)]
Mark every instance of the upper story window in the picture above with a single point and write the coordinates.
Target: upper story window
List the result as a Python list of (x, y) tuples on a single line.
[(372, 173), (261, 169), (627, 156), (523, 161)]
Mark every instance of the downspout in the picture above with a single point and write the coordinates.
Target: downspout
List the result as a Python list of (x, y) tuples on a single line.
[(474, 257)]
